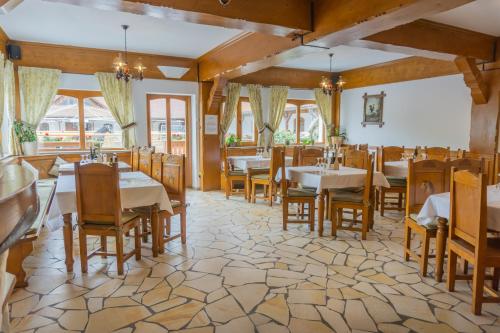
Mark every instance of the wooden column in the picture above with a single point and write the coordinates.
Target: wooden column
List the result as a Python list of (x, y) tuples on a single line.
[(336, 99), (210, 153)]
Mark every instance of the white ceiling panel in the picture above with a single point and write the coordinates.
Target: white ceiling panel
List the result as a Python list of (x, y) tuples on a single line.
[(55, 23)]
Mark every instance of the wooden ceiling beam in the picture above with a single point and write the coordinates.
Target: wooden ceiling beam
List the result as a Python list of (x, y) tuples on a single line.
[(216, 95), (279, 76), (275, 17), (7, 6), (473, 79), (79, 60), (335, 23), (433, 40)]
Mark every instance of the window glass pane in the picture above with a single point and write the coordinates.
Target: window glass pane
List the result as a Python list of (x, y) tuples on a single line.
[(158, 124), (60, 129), (178, 125), (247, 123), (287, 130), (312, 128), (100, 126)]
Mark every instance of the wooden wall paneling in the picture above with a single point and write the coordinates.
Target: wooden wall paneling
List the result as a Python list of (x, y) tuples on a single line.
[(336, 102), (473, 79)]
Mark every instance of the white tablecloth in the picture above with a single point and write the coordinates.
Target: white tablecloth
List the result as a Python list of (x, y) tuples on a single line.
[(136, 190), (69, 168), (438, 205), (396, 169), (313, 176), (249, 162)]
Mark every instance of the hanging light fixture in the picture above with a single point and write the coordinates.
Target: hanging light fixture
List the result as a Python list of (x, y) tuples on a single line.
[(327, 84), (122, 69)]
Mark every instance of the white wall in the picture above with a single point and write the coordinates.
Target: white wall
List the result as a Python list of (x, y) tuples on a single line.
[(139, 92), (429, 112)]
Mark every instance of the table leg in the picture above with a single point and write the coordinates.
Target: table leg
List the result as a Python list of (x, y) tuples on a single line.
[(442, 231), (321, 212), (155, 234), (68, 242)]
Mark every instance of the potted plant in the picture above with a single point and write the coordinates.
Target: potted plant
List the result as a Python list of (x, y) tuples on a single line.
[(232, 140), (338, 136), (27, 137)]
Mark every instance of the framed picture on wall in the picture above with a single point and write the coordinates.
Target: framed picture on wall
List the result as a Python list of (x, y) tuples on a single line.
[(373, 109)]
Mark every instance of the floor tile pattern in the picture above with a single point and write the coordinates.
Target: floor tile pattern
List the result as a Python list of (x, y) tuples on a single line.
[(240, 272)]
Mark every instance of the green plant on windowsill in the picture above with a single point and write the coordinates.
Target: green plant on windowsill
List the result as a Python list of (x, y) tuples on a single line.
[(24, 132), (232, 140)]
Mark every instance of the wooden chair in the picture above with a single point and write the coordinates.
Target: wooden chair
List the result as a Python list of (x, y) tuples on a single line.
[(363, 147), (398, 185), (457, 154), (355, 159), (267, 179), (293, 152), (470, 164), (489, 164), (173, 177), (356, 200), (425, 177), (232, 175), (134, 158), (468, 237), (310, 155), (156, 166), (100, 213), (145, 159), (437, 153), (296, 196)]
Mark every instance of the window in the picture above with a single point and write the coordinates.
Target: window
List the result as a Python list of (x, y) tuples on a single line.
[(304, 116), (243, 124), (75, 120)]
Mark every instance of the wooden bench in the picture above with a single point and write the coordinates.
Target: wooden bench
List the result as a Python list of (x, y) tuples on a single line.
[(24, 246)]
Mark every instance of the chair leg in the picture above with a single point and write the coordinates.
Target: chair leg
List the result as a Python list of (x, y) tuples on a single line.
[(364, 227), (354, 216), (477, 288), (400, 201), (119, 252), (144, 229), (137, 240), (424, 256), (270, 194), (334, 220), (382, 202), (312, 210), (163, 227), (104, 246), (466, 267), (228, 188), (407, 241), (253, 192), (285, 213), (183, 226), (83, 250), (496, 278), (452, 270)]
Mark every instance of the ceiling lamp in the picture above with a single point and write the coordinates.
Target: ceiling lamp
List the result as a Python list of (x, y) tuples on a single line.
[(327, 84), (122, 70)]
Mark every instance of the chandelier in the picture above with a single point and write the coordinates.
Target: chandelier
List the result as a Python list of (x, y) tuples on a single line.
[(122, 69), (327, 84)]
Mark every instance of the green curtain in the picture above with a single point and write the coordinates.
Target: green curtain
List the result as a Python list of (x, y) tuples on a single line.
[(37, 86), (277, 104), (118, 97), (229, 111), (255, 97), (324, 103), (10, 96)]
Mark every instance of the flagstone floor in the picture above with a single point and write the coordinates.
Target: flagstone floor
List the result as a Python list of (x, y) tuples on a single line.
[(240, 272)]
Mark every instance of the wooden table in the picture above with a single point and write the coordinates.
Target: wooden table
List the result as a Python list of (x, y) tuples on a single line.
[(323, 180), (136, 190), (438, 206)]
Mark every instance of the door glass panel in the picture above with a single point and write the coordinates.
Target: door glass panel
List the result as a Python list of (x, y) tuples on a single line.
[(60, 128), (247, 123), (158, 124), (287, 131), (312, 128), (100, 125), (178, 108)]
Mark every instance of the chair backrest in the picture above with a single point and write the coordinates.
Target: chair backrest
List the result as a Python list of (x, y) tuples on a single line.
[(293, 152), (470, 164), (284, 182), (355, 159), (134, 158), (388, 154), (98, 193), (489, 164), (457, 154), (363, 146), (368, 189), (156, 167), (310, 155), (145, 159), (425, 177), (174, 176), (468, 219), (241, 151), (437, 153), (275, 164)]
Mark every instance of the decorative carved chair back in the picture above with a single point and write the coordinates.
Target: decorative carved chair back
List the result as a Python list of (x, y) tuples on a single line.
[(468, 219), (363, 147), (368, 189), (98, 193), (470, 164), (293, 152), (388, 154), (489, 165), (437, 153), (275, 164), (134, 158), (145, 159), (425, 177), (174, 176), (355, 159), (310, 155), (156, 167)]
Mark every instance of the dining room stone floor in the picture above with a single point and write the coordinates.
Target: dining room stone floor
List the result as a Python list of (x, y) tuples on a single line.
[(240, 272)]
